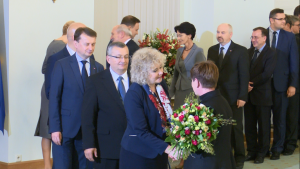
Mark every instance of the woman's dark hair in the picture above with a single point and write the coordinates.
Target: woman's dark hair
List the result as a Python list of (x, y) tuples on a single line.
[(187, 28)]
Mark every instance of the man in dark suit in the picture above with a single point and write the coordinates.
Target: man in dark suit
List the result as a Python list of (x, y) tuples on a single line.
[(233, 63), (66, 94), (292, 113), (120, 33), (258, 108), (133, 24), (103, 114), (68, 50), (285, 76)]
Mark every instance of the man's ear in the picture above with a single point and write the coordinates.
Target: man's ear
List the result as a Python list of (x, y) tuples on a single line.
[(76, 44), (199, 84), (108, 59)]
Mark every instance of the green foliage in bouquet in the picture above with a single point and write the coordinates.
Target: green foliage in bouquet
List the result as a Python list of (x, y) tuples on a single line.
[(193, 127)]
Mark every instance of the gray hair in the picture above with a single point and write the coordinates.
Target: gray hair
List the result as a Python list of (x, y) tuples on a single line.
[(124, 28), (143, 61), (294, 19), (115, 44)]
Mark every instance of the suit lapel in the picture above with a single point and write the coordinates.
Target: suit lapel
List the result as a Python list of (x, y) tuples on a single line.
[(280, 39), (93, 69), (259, 57), (190, 54), (268, 38), (251, 54), (75, 68), (111, 88), (227, 55)]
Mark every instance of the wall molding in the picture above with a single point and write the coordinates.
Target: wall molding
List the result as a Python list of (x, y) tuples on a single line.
[(33, 164)]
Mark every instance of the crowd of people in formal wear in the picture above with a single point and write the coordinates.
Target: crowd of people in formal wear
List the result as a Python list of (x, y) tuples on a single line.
[(117, 117)]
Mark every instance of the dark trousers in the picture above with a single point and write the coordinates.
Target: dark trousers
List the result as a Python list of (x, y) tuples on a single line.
[(70, 154), (279, 108), (237, 135), (103, 163), (258, 140), (291, 135)]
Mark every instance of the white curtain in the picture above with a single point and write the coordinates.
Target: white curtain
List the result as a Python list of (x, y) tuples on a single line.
[(162, 14)]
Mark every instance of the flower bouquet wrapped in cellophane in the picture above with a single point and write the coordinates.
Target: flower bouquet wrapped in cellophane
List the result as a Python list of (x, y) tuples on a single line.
[(193, 127)]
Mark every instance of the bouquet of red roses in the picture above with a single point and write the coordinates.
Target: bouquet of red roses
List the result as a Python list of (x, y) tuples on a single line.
[(193, 127), (167, 44)]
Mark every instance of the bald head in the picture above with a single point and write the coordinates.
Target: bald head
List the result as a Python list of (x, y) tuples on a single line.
[(120, 33), (71, 30), (224, 33)]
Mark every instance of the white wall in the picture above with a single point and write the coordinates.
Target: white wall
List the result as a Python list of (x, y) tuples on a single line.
[(32, 26)]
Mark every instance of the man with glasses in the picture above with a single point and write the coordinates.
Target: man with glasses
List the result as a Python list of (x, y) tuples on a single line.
[(103, 114), (258, 108), (285, 76)]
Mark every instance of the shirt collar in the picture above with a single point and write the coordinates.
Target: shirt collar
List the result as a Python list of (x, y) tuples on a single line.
[(225, 46), (127, 41), (273, 31), (116, 76), (262, 48), (79, 59), (71, 52)]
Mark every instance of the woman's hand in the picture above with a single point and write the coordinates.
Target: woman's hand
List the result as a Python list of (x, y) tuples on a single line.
[(173, 153)]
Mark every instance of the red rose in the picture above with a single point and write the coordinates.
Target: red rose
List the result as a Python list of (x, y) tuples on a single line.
[(207, 122), (208, 135), (183, 106), (187, 132), (177, 136), (194, 142), (191, 104), (175, 115), (196, 118), (197, 132), (198, 107), (181, 118)]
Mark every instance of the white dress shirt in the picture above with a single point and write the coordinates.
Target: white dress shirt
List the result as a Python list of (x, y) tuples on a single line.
[(115, 77), (71, 52)]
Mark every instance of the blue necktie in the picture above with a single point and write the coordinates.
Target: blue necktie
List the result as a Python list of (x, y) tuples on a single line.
[(274, 40), (84, 74), (121, 88)]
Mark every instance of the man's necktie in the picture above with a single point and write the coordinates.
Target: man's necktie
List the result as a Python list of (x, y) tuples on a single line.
[(121, 88), (221, 56), (84, 74), (254, 57), (274, 40)]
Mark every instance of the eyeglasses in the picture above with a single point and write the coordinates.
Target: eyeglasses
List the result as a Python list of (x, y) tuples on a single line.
[(120, 57), (254, 37), (296, 25), (280, 19)]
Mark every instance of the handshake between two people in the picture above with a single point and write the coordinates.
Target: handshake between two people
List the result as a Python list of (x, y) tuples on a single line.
[(173, 153)]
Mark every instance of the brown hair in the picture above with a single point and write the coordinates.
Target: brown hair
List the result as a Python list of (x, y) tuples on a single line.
[(264, 32), (275, 11), (86, 30), (130, 20), (206, 73), (66, 26)]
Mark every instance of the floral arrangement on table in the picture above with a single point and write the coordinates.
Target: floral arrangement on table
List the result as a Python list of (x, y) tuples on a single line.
[(193, 127), (167, 44)]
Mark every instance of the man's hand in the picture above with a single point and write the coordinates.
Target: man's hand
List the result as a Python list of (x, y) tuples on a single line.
[(250, 87), (56, 137), (89, 153), (240, 103), (291, 91)]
